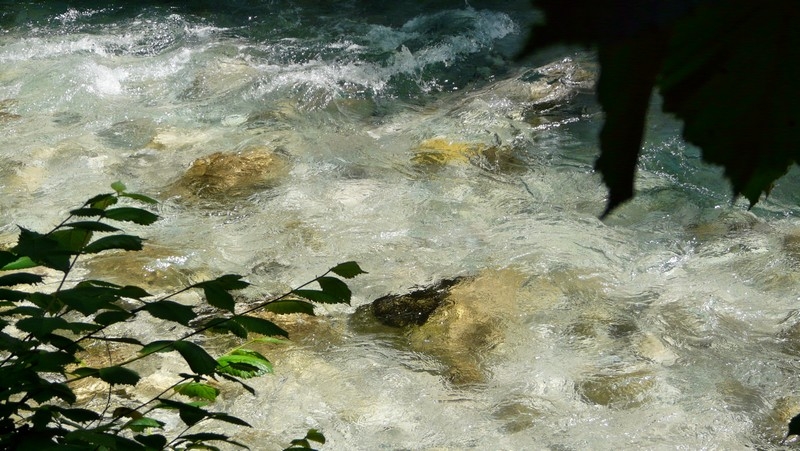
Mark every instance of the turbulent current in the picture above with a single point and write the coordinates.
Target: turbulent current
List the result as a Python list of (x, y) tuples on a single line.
[(283, 137)]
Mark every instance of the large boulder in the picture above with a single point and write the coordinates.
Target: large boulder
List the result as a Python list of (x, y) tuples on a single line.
[(220, 176)]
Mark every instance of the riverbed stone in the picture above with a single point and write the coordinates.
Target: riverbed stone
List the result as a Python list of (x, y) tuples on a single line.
[(617, 389), (437, 152), (222, 175), (5, 115), (458, 321)]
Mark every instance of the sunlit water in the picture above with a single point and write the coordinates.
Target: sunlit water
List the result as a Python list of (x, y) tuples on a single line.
[(668, 325)]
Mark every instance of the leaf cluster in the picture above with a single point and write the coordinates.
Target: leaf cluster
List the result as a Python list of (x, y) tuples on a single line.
[(42, 334), (722, 66)]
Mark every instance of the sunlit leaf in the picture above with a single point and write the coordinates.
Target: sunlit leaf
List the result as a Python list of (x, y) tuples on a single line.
[(123, 242), (260, 326), (244, 363), (6, 258), (198, 390), (131, 214), (118, 186), (20, 278), (20, 263), (171, 311), (143, 423), (348, 270), (290, 306)]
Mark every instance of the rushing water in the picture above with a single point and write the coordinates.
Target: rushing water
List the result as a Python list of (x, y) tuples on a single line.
[(412, 143)]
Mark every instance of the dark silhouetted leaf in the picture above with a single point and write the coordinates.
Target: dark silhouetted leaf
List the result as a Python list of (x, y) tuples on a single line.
[(131, 214), (112, 317), (348, 270), (189, 414), (123, 242), (155, 441), (6, 258), (171, 311), (290, 306), (71, 240), (198, 359), (25, 310), (244, 363), (157, 346), (226, 325), (260, 326), (318, 296), (219, 416), (20, 278), (40, 327), (140, 198), (219, 298), (42, 249), (89, 299), (93, 226), (101, 201), (335, 288), (198, 390), (76, 414), (12, 295), (118, 375), (87, 212), (315, 436)]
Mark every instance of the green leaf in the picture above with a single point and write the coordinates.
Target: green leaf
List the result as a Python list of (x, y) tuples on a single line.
[(101, 201), (318, 296), (12, 295), (89, 299), (101, 440), (290, 306), (335, 288), (20, 278), (198, 359), (42, 249), (171, 311), (158, 346), (6, 258), (112, 317), (226, 325), (87, 212), (203, 437), (260, 326), (220, 416), (189, 414), (26, 310), (219, 298), (315, 436), (76, 414), (140, 198), (155, 441), (244, 363), (71, 240), (20, 263), (348, 270), (93, 226), (198, 390), (142, 423), (53, 390), (119, 187), (131, 214), (41, 326), (118, 375), (229, 282), (124, 242)]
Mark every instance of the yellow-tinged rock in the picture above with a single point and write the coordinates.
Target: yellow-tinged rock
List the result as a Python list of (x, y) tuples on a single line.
[(440, 151)]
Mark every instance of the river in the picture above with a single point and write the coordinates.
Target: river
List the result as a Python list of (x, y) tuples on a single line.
[(409, 139)]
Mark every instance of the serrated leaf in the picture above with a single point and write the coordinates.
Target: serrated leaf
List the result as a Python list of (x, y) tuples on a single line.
[(118, 186), (123, 242), (20, 278), (220, 416), (198, 390), (348, 270), (77, 414), (53, 390), (87, 212), (290, 306), (131, 214), (229, 282), (244, 363), (101, 201), (42, 249), (12, 295), (143, 423), (318, 296), (118, 375), (155, 441), (41, 326), (25, 310), (336, 288), (94, 226), (6, 258), (89, 299), (171, 311), (140, 198), (157, 346), (133, 292), (260, 326), (112, 317)]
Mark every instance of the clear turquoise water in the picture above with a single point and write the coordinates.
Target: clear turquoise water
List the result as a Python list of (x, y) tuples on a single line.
[(705, 288)]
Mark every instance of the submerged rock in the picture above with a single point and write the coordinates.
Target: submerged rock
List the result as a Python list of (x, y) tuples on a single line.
[(6, 116), (436, 152), (457, 321), (620, 390), (222, 175)]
